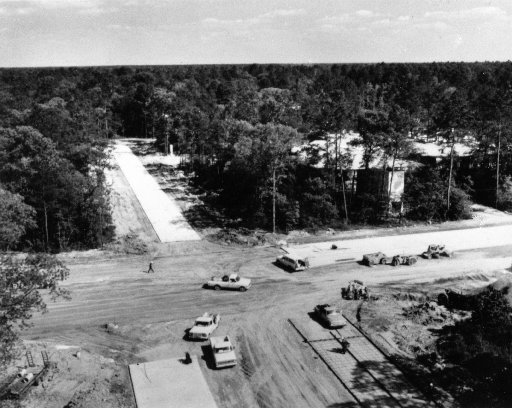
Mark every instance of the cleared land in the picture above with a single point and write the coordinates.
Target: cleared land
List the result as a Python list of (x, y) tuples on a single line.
[(163, 213), (277, 369), (150, 313)]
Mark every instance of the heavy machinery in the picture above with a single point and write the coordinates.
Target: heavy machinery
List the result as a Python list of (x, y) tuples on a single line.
[(375, 258), (404, 260), (355, 290), (436, 251)]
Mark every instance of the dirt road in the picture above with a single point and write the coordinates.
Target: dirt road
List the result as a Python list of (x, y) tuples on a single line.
[(276, 368)]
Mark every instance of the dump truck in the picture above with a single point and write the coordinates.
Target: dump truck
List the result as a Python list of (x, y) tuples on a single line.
[(233, 282), (223, 352), (355, 290), (374, 259), (436, 251), (330, 315), (204, 326), (404, 260)]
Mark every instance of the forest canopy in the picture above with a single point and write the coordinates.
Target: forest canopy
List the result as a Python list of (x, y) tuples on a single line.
[(238, 124)]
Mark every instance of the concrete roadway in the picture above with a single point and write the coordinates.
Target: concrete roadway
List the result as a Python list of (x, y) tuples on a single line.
[(320, 254)]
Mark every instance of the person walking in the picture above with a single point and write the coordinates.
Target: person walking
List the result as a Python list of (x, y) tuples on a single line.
[(151, 270)]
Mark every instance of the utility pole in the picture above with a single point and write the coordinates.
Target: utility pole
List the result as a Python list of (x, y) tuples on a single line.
[(451, 170), (166, 131), (498, 165)]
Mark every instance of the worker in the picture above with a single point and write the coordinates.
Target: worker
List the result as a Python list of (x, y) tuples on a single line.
[(151, 268), (344, 345), (188, 359)]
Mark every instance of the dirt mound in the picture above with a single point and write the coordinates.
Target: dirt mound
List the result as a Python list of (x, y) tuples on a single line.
[(504, 284), (243, 237), (129, 244)]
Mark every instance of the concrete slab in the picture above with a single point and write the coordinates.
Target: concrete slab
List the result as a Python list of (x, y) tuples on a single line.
[(161, 210), (170, 384)]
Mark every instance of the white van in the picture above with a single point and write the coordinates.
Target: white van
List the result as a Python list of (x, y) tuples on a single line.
[(294, 264)]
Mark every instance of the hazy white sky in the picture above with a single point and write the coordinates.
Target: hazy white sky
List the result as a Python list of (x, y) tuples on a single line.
[(116, 32)]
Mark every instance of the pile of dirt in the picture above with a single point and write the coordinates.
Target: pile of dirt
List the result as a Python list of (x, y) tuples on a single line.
[(244, 237), (504, 284), (427, 313), (129, 244)]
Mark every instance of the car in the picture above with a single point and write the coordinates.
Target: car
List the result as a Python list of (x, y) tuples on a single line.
[(204, 326), (233, 282), (375, 258), (330, 315), (292, 263), (223, 352)]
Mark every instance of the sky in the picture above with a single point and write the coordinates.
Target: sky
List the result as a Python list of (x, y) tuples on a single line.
[(168, 32)]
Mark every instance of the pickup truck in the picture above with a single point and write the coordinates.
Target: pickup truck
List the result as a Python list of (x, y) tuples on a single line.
[(204, 326), (232, 281), (223, 352)]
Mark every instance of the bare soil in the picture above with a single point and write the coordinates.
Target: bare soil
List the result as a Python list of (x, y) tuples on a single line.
[(276, 369)]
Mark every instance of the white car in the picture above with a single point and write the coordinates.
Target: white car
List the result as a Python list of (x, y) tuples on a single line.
[(223, 352), (204, 326), (232, 281)]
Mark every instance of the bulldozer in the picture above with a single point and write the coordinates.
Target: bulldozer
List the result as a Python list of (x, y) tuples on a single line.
[(355, 290), (436, 251), (404, 260)]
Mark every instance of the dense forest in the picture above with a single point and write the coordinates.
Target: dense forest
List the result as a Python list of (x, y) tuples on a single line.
[(238, 125)]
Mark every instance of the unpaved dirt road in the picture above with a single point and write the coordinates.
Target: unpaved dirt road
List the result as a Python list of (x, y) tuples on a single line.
[(276, 368)]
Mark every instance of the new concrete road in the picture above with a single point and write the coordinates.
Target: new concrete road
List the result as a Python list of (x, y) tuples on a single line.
[(409, 244), (163, 213)]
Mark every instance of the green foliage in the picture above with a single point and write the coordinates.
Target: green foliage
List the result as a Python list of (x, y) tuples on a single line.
[(505, 194), (425, 197), (481, 349), (21, 284), (71, 207), (16, 218), (317, 207)]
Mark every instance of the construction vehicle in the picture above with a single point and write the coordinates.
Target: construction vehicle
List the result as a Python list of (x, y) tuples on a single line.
[(404, 260), (204, 326), (436, 251), (355, 290), (233, 281), (223, 352), (33, 375), (374, 259), (330, 315)]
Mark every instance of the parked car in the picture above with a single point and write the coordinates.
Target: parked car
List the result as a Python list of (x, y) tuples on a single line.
[(204, 326), (293, 263), (330, 315), (232, 281), (223, 352)]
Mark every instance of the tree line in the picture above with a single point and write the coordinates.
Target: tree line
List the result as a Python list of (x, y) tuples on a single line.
[(238, 124)]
